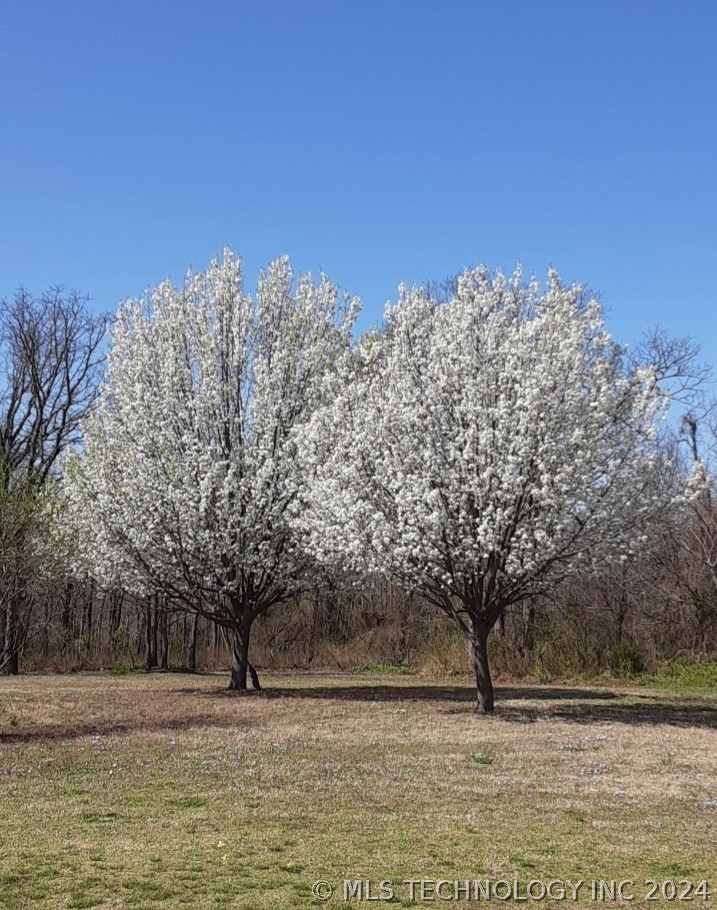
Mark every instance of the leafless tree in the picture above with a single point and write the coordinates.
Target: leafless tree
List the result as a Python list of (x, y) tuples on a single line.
[(50, 366)]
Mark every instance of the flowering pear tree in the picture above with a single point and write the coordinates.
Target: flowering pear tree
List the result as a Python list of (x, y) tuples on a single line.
[(479, 450), (188, 471)]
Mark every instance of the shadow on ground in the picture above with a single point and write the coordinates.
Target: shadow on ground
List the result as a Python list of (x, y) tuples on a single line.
[(178, 709), (640, 711), (571, 705), (161, 724)]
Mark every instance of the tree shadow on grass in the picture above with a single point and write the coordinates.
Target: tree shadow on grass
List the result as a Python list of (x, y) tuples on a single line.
[(411, 693), (561, 703), (640, 711), (49, 732), (435, 693)]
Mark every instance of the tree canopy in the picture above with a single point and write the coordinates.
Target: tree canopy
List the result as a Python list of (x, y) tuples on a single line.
[(190, 471), (480, 449)]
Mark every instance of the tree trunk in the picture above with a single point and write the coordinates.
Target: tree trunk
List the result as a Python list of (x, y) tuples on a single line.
[(240, 660), (154, 614), (10, 659), (67, 607), (527, 637), (116, 610), (217, 638), (316, 609), (479, 656), (164, 638), (87, 620), (192, 644), (150, 638)]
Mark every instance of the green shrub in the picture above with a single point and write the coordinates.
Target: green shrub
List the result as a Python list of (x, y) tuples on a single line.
[(626, 659)]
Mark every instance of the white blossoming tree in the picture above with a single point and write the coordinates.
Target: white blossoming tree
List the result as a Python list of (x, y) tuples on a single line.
[(479, 450), (189, 469)]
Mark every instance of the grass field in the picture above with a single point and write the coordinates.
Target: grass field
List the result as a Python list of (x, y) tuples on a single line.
[(166, 791)]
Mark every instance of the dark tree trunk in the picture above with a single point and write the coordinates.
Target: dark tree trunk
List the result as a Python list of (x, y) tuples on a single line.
[(67, 606), (622, 606), (479, 657), (87, 619), (10, 659), (191, 661), (115, 611), (240, 660), (150, 637), (165, 620), (11, 662), (315, 613), (527, 638), (154, 614), (216, 640), (254, 677)]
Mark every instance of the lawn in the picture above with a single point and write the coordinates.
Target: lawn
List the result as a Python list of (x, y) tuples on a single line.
[(167, 791)]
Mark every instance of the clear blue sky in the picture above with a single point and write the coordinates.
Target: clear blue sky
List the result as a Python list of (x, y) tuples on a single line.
[(379, 141)]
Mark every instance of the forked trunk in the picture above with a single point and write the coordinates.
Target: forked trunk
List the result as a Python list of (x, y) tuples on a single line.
[(241, 668), (240, 659), (478, 649)]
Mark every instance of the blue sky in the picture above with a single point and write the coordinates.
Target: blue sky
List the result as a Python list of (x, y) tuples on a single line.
[(378, 141)]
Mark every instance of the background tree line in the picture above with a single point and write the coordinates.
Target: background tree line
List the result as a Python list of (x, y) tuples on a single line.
[(629, 620)]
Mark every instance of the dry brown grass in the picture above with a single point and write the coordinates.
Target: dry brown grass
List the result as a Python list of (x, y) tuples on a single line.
[(167, 791)]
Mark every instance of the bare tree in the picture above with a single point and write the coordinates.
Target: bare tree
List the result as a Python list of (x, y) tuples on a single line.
[(50, 364)]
